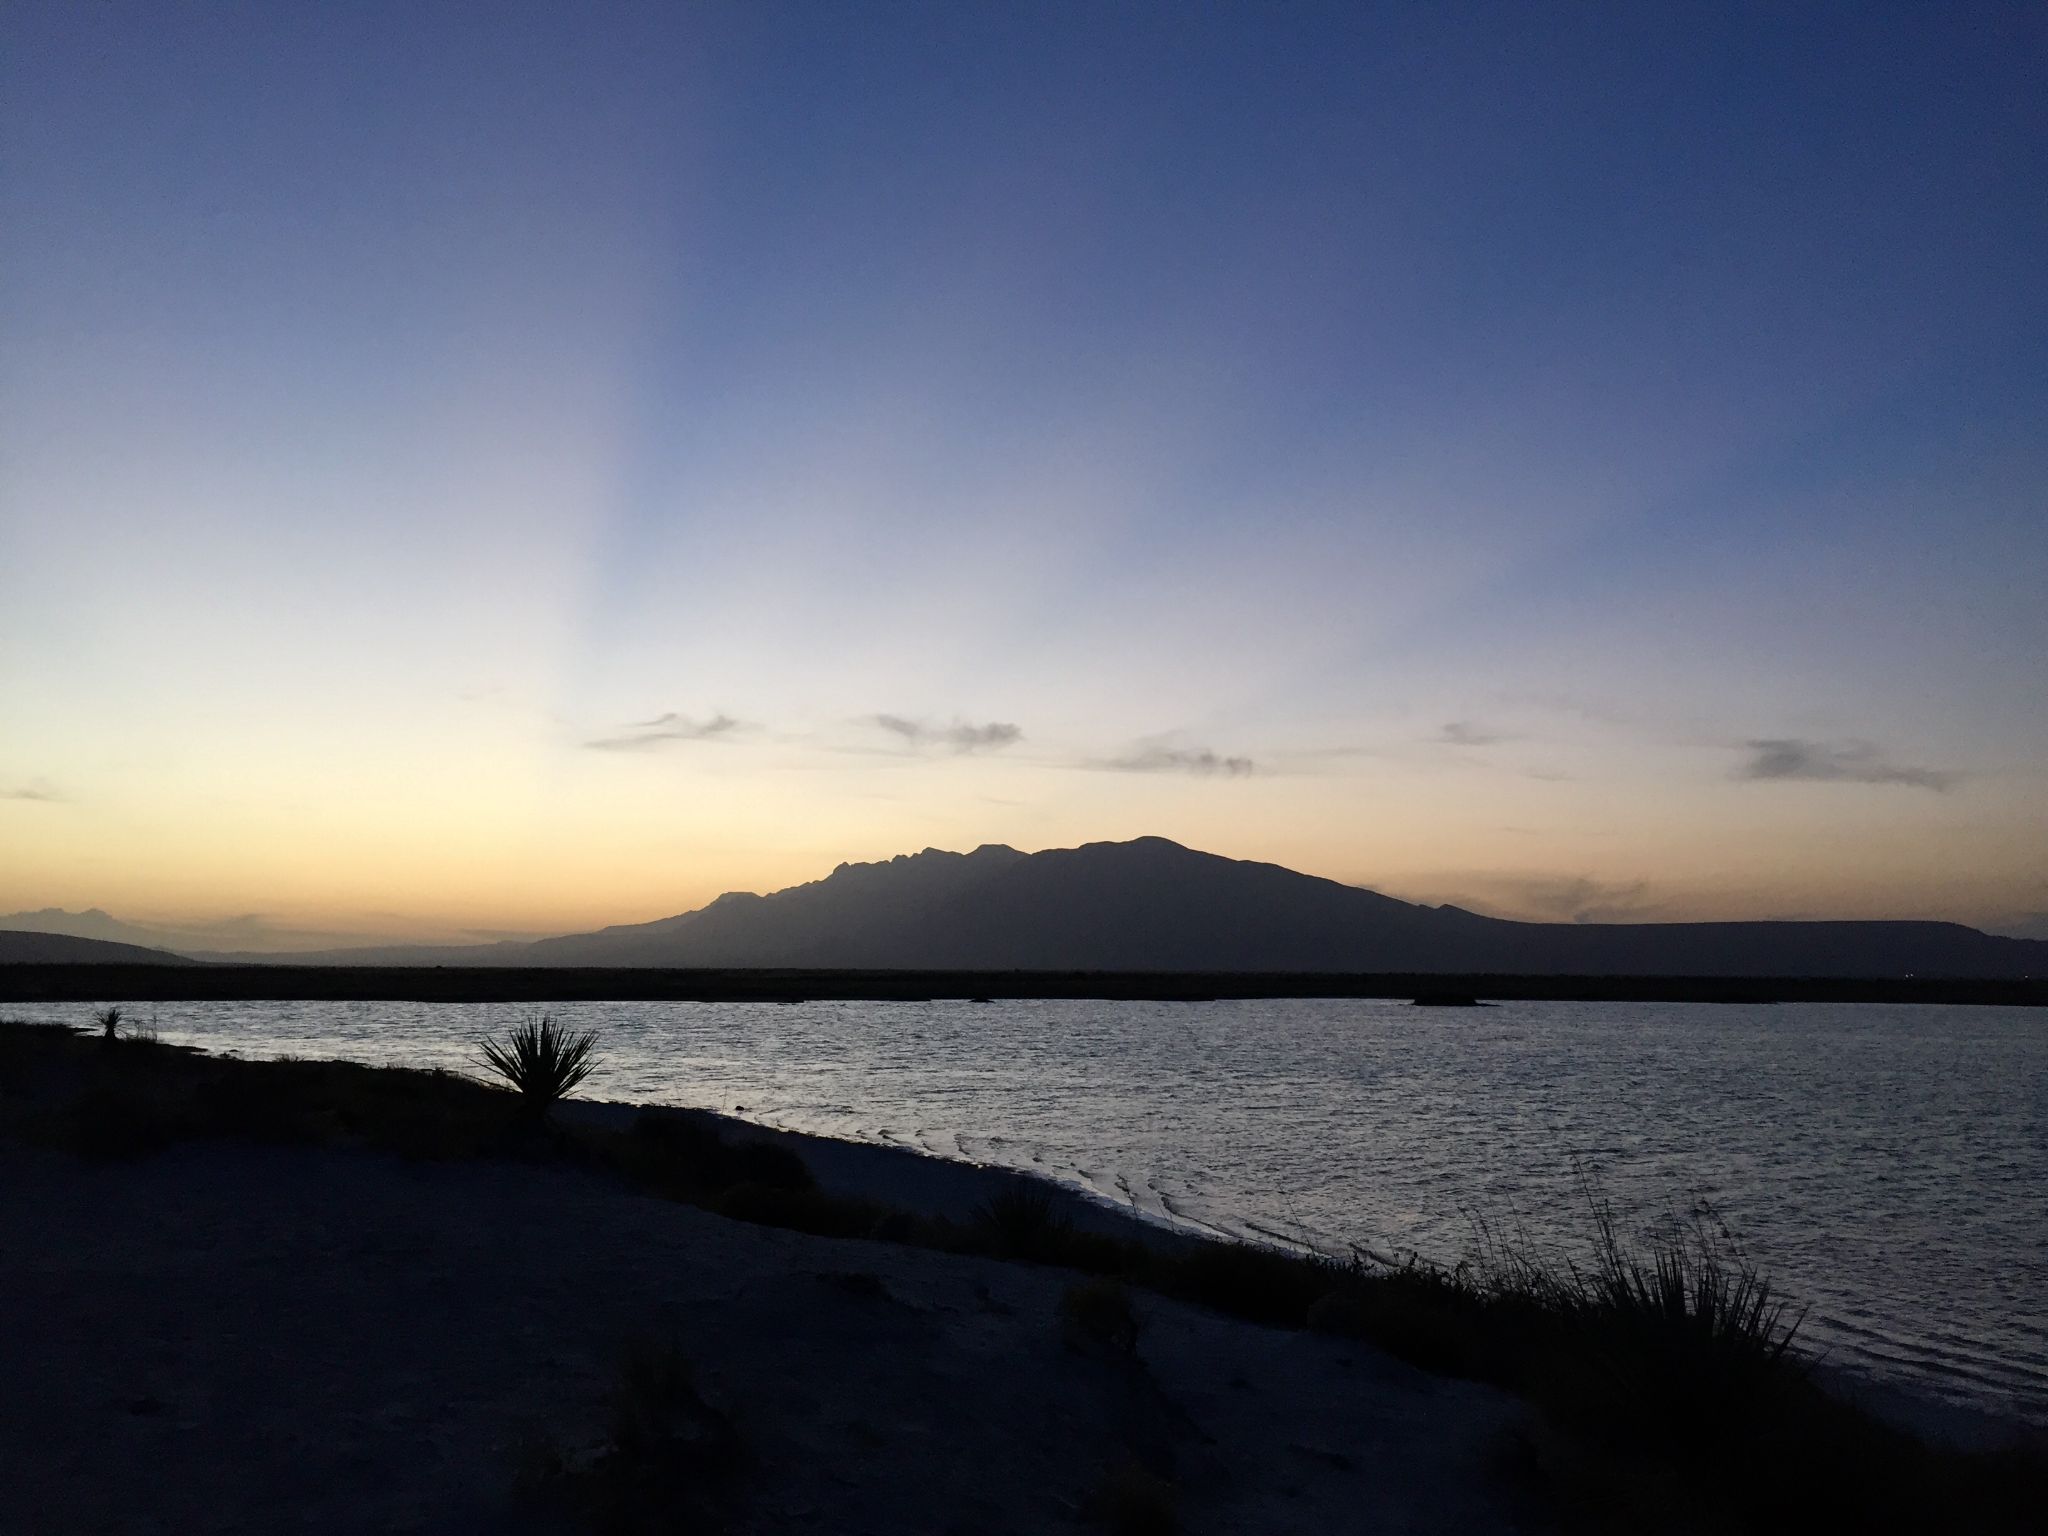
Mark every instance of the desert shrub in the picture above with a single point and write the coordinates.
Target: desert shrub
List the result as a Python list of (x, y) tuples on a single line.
[(109, 1021), (1675, 1337), (1690, 1302), (1021, 1221), (542, 1062), (688, 1158)]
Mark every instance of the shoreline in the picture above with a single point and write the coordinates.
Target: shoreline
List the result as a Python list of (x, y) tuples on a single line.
[(926, 1184), (930, 1184), (371, 1283), (208, 982)]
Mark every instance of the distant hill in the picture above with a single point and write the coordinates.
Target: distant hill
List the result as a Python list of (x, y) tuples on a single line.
[(27, 948), (92, 923), (1153, 905)]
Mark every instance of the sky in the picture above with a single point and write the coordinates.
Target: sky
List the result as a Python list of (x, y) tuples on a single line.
[(474, 470)]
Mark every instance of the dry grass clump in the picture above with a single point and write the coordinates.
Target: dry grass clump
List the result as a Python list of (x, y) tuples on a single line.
[(1022, 1221), (687, 1157), (1672, 1390)]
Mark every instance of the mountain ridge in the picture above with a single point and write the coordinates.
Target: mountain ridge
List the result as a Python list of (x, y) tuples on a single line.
[(28, 946), (1151, 904)]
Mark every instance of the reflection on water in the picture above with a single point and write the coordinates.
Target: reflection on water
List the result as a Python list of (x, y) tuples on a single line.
[(1885, 1165)]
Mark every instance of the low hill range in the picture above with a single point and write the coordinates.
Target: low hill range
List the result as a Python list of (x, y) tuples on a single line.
[(29, 947), (1153, 905)]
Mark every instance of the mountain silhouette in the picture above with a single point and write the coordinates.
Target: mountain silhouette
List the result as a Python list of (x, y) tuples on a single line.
[(1153, 905), (28, 947), (92, 923)]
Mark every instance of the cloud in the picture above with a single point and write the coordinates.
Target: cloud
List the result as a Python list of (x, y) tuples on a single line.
[(1581, 899), (40, 792), (1842, 762), (644, 734), (1466, 733), (960, 736), (2025, 925), (1162, 759), (1554, 898)]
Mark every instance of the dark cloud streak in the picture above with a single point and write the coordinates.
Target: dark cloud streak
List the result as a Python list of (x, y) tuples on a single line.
[(1844, 762), (1467, 733), (1199, 761), (646, 734), (961, 736)]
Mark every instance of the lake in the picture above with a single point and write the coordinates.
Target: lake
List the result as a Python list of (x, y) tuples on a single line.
[(1886, 1166)]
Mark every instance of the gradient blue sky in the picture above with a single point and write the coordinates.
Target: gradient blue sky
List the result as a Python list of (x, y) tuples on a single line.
[(1582, 461)]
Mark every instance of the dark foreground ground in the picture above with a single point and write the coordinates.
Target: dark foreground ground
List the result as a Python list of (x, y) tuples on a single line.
[(227, 1305), (232, 1339), (463, 984), (314, 1296)]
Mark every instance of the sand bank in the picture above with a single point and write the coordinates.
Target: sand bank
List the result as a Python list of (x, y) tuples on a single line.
[(224, 1338)]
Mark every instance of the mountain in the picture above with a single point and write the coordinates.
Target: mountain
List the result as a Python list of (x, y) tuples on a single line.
[(1144, 905), (1151, 904), (92, 923), (887, 916), (19, 947)]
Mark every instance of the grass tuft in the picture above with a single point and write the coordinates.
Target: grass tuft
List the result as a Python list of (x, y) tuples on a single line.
[(1022, 1221), (685, 1157)]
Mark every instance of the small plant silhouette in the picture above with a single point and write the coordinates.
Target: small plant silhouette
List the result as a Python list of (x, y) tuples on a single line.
[(109, 1021), (542, 1061), (1022, 1222)]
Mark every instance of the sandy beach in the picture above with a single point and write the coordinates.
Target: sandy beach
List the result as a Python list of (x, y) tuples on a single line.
[(223, 1338)]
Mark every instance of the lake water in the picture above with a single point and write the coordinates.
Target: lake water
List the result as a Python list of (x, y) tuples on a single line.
[(1887, 1167)]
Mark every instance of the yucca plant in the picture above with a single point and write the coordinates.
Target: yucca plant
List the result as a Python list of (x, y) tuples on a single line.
[(542, 1061), (109, 1020)]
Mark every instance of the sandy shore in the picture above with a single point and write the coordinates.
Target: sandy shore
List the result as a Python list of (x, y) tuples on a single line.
[(224, 1338), (902, 1178)]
